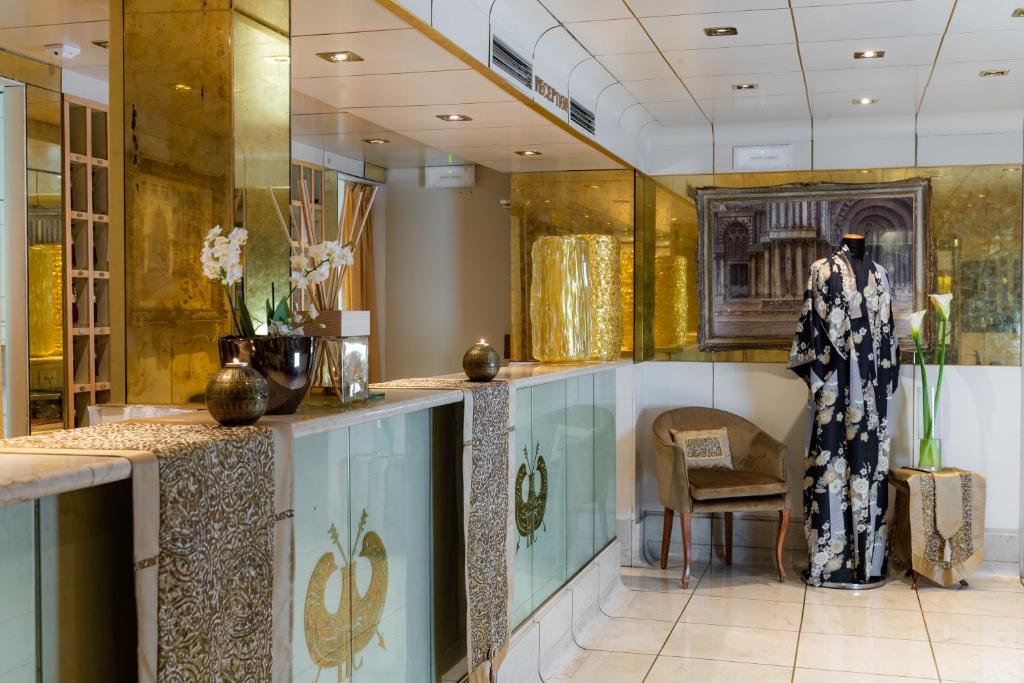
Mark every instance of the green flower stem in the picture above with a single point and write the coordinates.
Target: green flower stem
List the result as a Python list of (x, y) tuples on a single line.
[(925, 399), (231, 305), (942, 365)]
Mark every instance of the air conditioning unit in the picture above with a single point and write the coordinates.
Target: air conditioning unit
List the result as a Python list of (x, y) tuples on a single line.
[(449, 176), (762, 157)]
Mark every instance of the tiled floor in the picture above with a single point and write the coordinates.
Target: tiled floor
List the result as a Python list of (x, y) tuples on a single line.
[(740, 624)]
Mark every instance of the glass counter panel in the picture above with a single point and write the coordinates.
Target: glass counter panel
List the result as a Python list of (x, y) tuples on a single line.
[(548, 520), (321, 636), (580, 472), (390, 579), (604, 457), (17, 593), (522, 589)]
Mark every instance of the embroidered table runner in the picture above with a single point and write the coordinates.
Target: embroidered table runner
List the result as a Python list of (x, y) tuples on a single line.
[(940, 525), (488, 461), (212, 572)]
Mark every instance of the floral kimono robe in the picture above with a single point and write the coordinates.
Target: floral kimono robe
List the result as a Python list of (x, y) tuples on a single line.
[(847, 351)]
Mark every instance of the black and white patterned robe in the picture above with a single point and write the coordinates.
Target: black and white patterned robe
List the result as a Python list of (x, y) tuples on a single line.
[(847, 351)]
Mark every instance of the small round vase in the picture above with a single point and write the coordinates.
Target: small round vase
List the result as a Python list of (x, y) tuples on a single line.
[(237, 395), (481, 362)]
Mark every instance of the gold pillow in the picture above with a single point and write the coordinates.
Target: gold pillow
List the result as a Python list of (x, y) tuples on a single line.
[(704, 449)]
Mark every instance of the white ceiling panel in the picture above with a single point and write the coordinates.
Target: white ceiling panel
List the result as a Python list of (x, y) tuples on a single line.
[(384, 52), (681, 111), (587, 10), (313, 17), (684, 32), (840, 104), (734, 60), (901, 51), (587, 81), (528, 137), (985, 15), (912, 78), (986, 45), (661, 8), (520, 23), (636, 67), (966, 73), (330, 123), (393, 90), (710, 87), (873, 20), (972, 98), (616, 36), (30, 40), (492, 115), (15, 13), (755, 110), (657, 89)]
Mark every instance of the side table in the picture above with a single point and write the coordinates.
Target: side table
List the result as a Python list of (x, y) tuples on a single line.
[(938, 525)]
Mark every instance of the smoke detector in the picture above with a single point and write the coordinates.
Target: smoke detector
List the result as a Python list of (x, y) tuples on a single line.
[(62, 50)]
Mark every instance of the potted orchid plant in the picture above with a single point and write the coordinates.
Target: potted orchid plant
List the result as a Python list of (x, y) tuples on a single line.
[(930, 455)]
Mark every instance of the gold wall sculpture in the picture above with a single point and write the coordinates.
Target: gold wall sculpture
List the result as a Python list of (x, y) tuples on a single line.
[(671, 303), (604, 269), (205, 130), (46, 301), (560, 305)]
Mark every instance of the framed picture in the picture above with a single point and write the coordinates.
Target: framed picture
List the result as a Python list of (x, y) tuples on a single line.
[(756, 247)]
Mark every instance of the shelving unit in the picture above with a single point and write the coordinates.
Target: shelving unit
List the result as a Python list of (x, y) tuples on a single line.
[(87, 266)]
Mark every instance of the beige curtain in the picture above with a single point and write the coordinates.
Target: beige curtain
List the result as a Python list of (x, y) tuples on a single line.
[(357, 289)]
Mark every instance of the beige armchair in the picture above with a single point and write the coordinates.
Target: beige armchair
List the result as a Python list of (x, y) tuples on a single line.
[(757, 481)]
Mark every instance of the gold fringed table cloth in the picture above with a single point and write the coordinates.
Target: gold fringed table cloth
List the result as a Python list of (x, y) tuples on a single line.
[(490, 534), (211, 544), (940, 523)]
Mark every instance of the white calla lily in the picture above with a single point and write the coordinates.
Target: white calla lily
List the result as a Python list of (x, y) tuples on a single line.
[(942, 303), (916, 319)]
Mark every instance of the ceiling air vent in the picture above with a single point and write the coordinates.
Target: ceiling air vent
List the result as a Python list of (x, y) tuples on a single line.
[(505, 58), (582, 117)]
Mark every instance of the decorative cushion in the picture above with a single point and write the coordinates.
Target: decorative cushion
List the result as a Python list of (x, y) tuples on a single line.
[(704, 449), (717, 484)]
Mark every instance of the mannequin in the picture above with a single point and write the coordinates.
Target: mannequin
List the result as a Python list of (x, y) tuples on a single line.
[(855, 243)]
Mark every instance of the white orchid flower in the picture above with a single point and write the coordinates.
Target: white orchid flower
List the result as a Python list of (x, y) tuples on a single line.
[(942, 303), (916, 319)]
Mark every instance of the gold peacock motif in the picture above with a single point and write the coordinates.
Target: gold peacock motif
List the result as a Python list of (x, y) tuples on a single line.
[(530, 512), (334, 638)]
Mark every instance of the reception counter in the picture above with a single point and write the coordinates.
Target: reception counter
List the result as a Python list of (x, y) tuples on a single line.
[(371, 506)]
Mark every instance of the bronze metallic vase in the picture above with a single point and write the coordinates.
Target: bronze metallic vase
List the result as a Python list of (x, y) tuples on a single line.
[(481, 362), (237, 395), (285, 362)]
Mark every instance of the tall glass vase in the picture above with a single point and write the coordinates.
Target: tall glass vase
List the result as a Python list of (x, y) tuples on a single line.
[(930, 454)]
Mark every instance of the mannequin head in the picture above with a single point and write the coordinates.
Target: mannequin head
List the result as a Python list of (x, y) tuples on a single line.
[(855, 243)]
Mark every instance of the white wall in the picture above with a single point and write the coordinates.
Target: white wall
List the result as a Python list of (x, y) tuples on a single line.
[(447, 264), (979, 423)]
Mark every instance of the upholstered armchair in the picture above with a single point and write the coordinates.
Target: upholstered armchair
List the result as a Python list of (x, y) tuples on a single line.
[(757, 482)]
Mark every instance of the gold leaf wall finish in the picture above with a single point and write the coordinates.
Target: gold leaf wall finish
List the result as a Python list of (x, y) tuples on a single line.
[(46, 319), (560, 305), (530, 511), (670, 304), (335, 638), (626, 281), (605, 296)]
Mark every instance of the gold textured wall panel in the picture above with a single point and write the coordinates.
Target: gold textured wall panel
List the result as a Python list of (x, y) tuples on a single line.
[(46, 300), (605, 296), (626, 280), (560, 306), (671, 304)]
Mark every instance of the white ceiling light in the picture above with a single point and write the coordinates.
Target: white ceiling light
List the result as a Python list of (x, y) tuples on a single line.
[(454, 117), (62, 50), (744, 86), (988, 73), (528, 153), (376, 141), (719, 31), (865, 100), (339, 56), (869, 54), (182, 87)]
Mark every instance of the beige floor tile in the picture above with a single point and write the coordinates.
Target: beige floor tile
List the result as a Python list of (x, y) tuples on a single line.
[(637, 604), (732, 643), (971, 601), (994, 582), (858, 654), (733, 582), (657, 580), (613, 667), (972, 629), (972, 663), (895, 595), (709, 609), (639, 636), (819, 676), (864, 621), (676, 669)]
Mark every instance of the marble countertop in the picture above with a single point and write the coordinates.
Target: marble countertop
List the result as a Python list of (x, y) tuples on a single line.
[(28, 476), (529, 374)]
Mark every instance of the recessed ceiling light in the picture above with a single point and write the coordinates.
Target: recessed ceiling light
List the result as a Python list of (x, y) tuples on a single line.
[(105, 44), (1017, 13), (744, 86), (1010, 169), (181, 87), (339, 56), (528, 153), (277, 59), (869, 54), (988, 73), (864, 170), (865, 100), (718, 31), (674, 220), (982, 196), (594, 187), (454, 117), (376, 141)]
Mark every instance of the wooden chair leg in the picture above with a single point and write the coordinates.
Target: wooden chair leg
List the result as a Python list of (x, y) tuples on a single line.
[(728, 538), (780, 538), (666, 536), (685, 519)]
